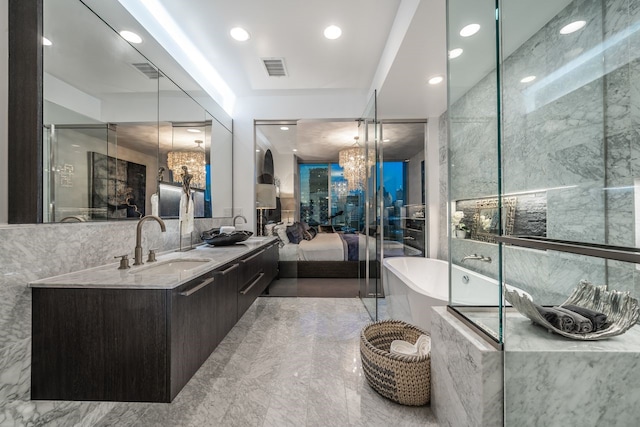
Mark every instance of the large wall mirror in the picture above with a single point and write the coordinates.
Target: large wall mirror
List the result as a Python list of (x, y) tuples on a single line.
[(118, 131)]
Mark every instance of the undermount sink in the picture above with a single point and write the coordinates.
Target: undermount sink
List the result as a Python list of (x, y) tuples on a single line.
[(171, 266)]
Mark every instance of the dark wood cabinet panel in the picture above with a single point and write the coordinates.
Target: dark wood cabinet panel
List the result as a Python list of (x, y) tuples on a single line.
[(226, 301), (192, 333), (99, 344)]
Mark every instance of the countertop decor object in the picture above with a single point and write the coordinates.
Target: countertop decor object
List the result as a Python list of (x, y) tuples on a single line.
[(216, 238), (622, 310), (404, 379)]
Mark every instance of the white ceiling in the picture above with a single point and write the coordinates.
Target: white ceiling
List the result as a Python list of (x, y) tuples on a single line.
[(292, 30)]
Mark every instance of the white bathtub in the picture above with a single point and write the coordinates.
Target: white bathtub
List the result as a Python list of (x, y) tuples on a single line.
[(413, 284)]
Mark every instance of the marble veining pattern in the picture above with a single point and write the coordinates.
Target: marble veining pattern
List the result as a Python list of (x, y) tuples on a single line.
[(562, 368), (466, 375), (288, 362)]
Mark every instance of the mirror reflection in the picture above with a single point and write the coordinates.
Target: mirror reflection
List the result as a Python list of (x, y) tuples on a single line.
[(119, 133)]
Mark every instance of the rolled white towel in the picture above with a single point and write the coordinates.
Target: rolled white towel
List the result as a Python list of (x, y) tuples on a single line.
[(403, 348), (227, 229), (423, 344)]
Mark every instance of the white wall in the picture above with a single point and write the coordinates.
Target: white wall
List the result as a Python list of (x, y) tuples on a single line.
[(341, 104), (4, 101)]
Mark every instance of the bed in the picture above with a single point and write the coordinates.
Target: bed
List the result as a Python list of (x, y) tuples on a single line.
[(329, 255)]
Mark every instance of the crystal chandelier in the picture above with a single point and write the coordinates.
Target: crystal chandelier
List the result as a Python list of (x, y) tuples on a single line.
[(354, 163), (193, 160)]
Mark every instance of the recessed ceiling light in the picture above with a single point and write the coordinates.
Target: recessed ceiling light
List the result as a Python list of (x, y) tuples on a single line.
[(131, 37), (386, 140), (294, 150), (332, 32), (470, 30), (284, 128), (240, 34), (46, 42), (435, 80), (454, 53), (528, 79), (192, 130), (257, 151), (572, 27)]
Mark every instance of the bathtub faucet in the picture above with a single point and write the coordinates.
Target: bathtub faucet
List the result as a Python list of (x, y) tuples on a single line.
[(476, 256)]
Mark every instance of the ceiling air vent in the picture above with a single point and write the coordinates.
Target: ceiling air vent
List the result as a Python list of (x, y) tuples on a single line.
[(275, 67), (147, 69)]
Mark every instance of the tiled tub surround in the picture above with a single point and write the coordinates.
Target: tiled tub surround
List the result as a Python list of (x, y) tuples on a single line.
[(554, 381), (466, 375), (32, 252), (548, 379)]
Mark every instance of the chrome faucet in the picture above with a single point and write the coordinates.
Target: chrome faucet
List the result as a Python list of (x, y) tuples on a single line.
[(476, 256), (138, 250), (238, 216)]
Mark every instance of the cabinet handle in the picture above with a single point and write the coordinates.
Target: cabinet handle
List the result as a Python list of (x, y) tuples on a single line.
[(197, 288), (252, 256), (227, 270), (248, 288)]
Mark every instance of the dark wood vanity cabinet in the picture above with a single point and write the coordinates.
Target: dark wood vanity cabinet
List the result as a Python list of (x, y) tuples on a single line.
[(200, 318), (138, 345), (256, 273)]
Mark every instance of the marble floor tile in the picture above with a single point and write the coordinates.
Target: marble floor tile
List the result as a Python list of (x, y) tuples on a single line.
[(288, 362)]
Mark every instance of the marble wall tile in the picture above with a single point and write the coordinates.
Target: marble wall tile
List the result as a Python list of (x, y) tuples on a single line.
[(616, 20)]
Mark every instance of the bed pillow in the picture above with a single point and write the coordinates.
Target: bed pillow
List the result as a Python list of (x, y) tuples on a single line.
[(280, 230), (325, 229), (310, 233), (295, 233), (269, 229)]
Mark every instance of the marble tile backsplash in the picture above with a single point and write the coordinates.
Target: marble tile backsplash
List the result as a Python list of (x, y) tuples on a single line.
[(31, 252)]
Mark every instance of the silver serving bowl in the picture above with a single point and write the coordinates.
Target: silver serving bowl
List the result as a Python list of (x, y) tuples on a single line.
[(622, 310)]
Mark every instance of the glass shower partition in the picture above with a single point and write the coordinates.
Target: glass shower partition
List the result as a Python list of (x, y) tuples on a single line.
[(476, 209), (543, 183), (370, 265)]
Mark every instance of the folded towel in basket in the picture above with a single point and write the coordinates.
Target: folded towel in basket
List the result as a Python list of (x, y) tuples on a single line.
[(599, 320), (557, 318), (405, 348), (423, 344), (582, 324)]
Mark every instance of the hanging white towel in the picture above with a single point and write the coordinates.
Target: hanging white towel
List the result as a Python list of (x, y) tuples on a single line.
[(154, 205), (186, 215)]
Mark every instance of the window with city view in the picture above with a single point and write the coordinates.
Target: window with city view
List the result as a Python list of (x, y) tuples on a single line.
[(326, 199)]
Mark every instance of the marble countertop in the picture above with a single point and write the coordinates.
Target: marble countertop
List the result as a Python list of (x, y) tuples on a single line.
[(109, 277)]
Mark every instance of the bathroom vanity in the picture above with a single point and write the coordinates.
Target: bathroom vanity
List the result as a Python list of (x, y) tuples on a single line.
[(140, 334)]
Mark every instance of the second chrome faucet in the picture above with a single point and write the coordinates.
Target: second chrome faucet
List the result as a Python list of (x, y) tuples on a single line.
[(138, 250), (476, 257)]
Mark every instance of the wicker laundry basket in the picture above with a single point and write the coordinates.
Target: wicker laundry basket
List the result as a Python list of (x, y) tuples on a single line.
[(403, 379)]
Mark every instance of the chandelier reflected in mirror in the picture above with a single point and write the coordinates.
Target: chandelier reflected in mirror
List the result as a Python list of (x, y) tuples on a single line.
[(195, 162), (353, 161)]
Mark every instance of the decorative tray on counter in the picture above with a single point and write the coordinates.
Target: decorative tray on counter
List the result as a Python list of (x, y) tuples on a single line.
[(216, 238), (622, 310)]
